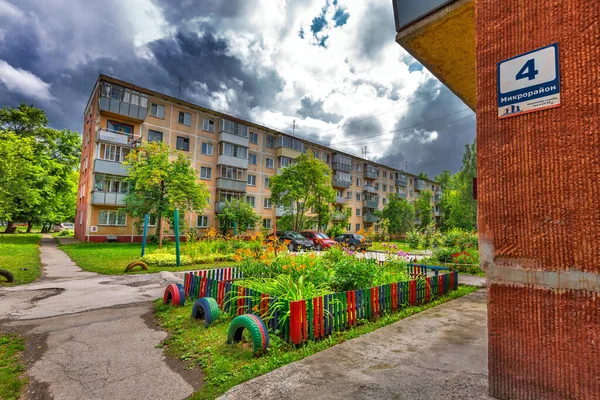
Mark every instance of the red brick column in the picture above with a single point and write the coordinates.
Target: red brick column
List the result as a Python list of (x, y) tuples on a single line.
[(539, 204)]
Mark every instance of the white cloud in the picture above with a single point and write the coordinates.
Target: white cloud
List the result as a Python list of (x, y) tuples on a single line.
[(24, 82), (9, 10)]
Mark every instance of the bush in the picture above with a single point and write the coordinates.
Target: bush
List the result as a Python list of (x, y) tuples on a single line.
[(351, 273), (413, 238), (163, 259), (460, 238), (335, 230), (443, 255), (66, 232)]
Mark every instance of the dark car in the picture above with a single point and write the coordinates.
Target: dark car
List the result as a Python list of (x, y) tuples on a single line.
[(297, 241), (353, 241), (320, 240)]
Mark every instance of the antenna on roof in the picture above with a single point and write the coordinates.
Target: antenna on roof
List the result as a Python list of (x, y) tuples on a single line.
[(178, 86), (294, 127)]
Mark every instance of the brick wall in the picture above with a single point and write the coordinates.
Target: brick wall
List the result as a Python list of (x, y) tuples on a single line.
[(539, 207)]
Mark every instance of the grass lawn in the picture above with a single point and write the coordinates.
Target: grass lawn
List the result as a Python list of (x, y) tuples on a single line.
[(19, 254), (401, 246), (11, 366), (228, 365), (112, 258)]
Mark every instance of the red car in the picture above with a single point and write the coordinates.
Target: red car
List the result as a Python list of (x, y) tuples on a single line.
[(320, 240)]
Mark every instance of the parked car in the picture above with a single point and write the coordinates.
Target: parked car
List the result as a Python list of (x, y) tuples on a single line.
[(320, 240), (353, 241), (297, 241), (63, 226)]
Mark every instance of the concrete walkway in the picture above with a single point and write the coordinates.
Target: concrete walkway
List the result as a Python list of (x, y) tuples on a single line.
[(440, 353), (91, 336)]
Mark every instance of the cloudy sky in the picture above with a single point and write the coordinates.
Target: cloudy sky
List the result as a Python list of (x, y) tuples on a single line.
[(331, 65)]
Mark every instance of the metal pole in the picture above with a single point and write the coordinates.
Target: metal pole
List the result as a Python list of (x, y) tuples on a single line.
[(177, 244), (146, 221), (235, 228)]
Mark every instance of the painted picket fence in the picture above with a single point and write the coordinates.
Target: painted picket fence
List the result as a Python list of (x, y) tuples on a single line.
[(321, 316)]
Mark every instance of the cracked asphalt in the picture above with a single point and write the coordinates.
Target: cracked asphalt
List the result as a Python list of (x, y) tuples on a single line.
[(91, 336)]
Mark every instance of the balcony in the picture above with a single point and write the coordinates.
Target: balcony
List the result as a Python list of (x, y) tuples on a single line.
[(370, 218), (369, 189), (437, 196), (233, 161), (281, 211), (419, 184), (105, 135), (121, 108), (109, 167), (371, 203), (401, 195), (340, 200), (440, 34), (338, 216), (289, 153), (370, 174), (108, 198), (231, 184), (336, 166), (235, 139), (339, 183), (220, 206), (402, 181)]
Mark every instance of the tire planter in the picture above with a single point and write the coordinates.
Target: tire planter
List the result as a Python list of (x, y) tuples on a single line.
[(8, 275), (134, 264), (174, 294), (207, 309), (258, 332)]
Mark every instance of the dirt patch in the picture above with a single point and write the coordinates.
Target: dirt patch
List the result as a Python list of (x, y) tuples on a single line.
[(194, 377), (35, 347)]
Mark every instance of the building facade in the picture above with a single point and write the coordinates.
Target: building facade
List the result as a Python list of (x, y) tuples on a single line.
[(234, 158)]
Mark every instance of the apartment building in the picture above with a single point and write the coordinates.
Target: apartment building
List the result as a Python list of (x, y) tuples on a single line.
[(233, 157)]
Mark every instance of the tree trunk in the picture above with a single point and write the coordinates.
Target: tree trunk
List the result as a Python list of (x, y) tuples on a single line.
[(29, 225), (10, 227)]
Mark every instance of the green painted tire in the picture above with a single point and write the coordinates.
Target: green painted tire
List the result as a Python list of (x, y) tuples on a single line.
[(207, 309), (256, 327)]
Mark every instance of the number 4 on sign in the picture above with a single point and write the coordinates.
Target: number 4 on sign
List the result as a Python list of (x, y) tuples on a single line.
[(528, 71)]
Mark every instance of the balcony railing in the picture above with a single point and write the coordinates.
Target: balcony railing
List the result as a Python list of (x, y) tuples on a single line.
[(401, 195), (371, 203), (233, 138), (231, 184), (336, 166), (370, 218), (437, 196), (339, 183), (113, 106), (109, 167), (402, 181), (419, 184), (340, 200), (232, 161), (369, 189), (108, 198), (370, 174), (107, 135)]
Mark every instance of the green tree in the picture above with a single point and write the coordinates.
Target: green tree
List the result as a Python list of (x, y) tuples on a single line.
[(423, 209), (48, 196), (159, 185), (444, 178), (423, 175), (302, 186), (240, 212), (399, 213)]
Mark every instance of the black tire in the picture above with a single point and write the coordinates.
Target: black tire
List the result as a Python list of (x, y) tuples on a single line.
[(352, 247), (319, 247), (8, 275), (291, 247), (134, 264)]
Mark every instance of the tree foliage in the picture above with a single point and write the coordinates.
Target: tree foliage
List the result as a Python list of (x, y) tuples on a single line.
[(302, 186), (160, 185), (423, 209), (423, 175), (399, 213), (43, 191), (240, 212), (458, 206)]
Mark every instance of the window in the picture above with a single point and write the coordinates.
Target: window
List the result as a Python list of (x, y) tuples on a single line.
[(251, 200), (234, 128), (384, 201), (185, 118), (358, 182), (349, 227), (202, 221), (376, 228), (270, 142), (357, 196), (267, 182), (267, 223), (266, 202), (111, 152), (316, 154), (252, 158), (377, 186), (208, 125), (205, 173), (112, 217), (157, 110), (349, 195), (252, 180), (233, 150), (357, 227), (119, 127), (207, 149), (358, 212), (269, 162), (155, 136), (284, 161), (385, 174), (340, 193), (232, 173), (110, 183), (290, 143), (384, 187), (253, 137), (326, 158), (183, 143)]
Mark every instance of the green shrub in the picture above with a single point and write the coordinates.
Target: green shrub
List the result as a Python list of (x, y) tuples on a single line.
[(352, 273), (163, 259), (460, 238), (443, 255), (413, 238)]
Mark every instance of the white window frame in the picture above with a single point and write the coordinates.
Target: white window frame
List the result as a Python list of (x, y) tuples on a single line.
[(208, 175), (251, 200), (187, 117), (158, 114), (253, 138), (267, 159), (183, 138), (209, 149), (116, 214), (267, 223), (267, 203), (251, 180), (207, 125), (202, 221)]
